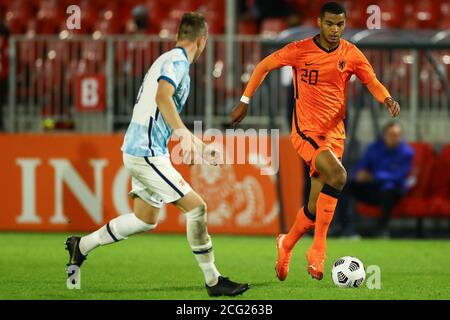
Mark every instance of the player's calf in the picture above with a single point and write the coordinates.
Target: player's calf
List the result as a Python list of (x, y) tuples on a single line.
[(115, 230), (201, 245)]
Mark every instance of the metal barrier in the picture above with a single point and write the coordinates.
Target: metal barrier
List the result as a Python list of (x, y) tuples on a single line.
[(419, 80), (45, 75)]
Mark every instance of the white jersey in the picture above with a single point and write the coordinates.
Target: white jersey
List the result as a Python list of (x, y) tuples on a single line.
[(148, 132)]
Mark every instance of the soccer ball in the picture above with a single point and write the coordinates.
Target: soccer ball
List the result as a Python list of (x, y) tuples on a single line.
[(348, 272)]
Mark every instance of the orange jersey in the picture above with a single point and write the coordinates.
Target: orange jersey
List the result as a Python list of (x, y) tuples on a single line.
[(320, 82)]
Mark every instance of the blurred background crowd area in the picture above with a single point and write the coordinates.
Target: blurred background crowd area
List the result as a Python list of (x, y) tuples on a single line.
[(56, 80), (104, 17)]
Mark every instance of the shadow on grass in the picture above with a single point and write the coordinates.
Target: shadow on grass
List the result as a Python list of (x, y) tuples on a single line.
[(164, 289), (167, 289)]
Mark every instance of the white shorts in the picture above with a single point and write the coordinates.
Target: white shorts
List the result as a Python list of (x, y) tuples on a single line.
[(155, 180)]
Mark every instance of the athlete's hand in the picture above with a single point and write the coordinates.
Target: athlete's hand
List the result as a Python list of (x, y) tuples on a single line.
[(188, 149), (238, 113), (212, 154), (392, 106), (209, 153)]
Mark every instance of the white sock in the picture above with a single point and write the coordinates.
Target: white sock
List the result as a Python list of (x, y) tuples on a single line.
[(115, 230), (201, 245), (206, 262)]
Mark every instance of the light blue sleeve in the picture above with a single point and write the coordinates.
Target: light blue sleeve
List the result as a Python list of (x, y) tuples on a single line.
[(174, 71)]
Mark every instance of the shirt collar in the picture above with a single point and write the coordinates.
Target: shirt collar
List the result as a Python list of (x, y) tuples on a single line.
[(184, 51), (316, 41)]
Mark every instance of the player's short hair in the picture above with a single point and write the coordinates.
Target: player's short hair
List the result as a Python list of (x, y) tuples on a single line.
[(390, 124), (192, 26), (332, 7)]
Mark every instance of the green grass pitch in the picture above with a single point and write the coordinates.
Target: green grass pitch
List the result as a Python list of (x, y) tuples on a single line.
[(32, 266)]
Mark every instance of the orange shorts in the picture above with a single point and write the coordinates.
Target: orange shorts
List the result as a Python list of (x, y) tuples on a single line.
[(309, 145)]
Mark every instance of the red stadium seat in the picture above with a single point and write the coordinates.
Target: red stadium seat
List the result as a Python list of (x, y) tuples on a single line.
[(17, 15), (423, 14), (181, 8), (158, 12), (168, 28), (27, 52), (392, 13), (214, 5), (112, 19), (107, 26), (214, 12), (440, 185), (301, 6), (395, 13), (272, 27), (415, 203), (356, 13), (216, 22), (15, 25), (445, 15), (247, 27), (89, 15), (313, 9)]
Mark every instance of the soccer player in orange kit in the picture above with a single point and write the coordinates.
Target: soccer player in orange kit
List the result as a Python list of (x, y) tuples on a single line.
[(321, 66)]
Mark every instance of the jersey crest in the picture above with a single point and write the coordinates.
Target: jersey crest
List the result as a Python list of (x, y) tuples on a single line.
[(341, 65)]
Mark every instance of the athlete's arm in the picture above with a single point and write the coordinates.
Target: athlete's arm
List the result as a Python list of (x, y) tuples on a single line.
[(268, 64), (364, 71), (190, 144), (381, 94), (262, 69), (167, 107)]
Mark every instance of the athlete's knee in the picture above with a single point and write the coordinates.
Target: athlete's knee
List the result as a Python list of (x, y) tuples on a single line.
[(196, 227), (145, 212), (337, 177), (146, 216), (198, 213), (312, 207)]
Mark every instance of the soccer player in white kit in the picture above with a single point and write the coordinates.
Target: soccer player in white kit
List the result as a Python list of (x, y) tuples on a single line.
[(155, 181)]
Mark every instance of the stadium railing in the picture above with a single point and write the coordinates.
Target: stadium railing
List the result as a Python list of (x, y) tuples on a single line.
[(89, 85)]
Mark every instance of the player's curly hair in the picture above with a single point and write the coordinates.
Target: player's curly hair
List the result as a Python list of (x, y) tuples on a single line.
[(332, 7), (192, 26)]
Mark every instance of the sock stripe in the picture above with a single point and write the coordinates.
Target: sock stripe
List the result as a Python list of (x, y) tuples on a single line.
[(331, 191), (110, 233), (202, 251), (308, 214)]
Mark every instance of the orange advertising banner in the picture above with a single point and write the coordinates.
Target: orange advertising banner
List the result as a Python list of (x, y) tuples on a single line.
[(78, 183)]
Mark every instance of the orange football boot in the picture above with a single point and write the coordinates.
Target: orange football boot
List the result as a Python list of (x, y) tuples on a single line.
[(316, 261), (284, 258)]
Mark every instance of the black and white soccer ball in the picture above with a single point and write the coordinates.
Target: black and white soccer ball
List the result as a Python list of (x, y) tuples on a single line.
[(348, 272)]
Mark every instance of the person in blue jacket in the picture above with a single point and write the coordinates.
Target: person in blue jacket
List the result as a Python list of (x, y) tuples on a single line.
[(381, 176)]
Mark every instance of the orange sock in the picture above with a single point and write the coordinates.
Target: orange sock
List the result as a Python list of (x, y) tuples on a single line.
[(326, 205), (301, 225)]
